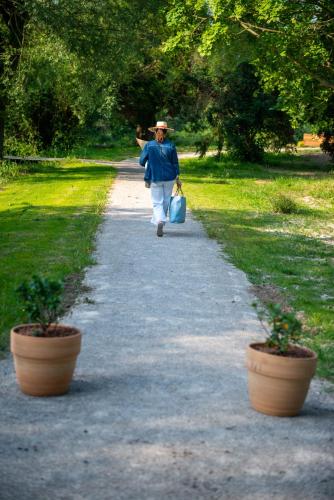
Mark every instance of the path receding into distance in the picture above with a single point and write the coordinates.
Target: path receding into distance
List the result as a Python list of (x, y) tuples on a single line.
[(158, 408)]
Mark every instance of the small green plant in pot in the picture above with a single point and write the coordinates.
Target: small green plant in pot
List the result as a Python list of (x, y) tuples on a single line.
[(286, 330), (279, 369), (44, 351), (41, 299)]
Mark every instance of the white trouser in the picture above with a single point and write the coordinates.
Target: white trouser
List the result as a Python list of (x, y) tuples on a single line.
[(160, 195)]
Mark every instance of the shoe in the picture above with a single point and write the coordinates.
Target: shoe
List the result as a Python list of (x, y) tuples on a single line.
[(160, 229)]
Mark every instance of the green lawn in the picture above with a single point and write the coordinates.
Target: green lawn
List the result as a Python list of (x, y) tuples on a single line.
[(114, 153), (289, 257), (49, 215)]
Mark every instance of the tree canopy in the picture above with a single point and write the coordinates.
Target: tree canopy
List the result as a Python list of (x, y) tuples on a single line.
[(66, 65), (290, 42)]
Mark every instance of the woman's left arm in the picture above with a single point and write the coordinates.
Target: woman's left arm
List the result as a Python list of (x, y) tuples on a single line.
[(144, 156)]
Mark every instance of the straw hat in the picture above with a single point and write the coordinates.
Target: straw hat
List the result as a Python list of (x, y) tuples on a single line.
[(162, 125)]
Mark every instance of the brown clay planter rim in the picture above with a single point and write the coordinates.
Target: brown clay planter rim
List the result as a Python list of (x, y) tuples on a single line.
[(297, 360), (47, 339), (28, 346), (281, 367)]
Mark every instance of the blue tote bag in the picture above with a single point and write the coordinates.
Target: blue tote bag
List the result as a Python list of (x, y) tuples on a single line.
[(177, 207)]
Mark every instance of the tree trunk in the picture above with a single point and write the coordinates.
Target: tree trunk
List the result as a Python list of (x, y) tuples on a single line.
[(2, 126), (15, 16), (2, 105)]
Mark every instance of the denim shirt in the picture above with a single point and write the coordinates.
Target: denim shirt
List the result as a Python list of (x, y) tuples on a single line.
[(163, 164)]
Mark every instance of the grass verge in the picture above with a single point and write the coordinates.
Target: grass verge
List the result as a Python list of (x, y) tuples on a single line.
[(113, 153), (288, 257), (49, 214)]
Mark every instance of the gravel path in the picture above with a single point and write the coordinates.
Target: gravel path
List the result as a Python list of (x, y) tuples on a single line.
[(158, 408)]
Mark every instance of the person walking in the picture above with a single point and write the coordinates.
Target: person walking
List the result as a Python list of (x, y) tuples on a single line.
[(162, 171)]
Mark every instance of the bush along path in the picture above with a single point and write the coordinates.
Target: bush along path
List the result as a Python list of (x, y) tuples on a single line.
[(158, 408)]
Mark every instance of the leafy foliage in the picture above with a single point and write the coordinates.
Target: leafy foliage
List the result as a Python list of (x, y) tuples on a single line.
[(75, 60), (328, 143), (69, 66), (42, 300), (326, 128), (286, 329), (202, 146), (246, 116), (289, 42)]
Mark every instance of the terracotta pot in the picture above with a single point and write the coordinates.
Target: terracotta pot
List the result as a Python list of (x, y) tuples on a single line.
[(44, 365), (278, 385)]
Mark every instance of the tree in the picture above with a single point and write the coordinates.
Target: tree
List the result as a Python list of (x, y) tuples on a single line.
[(290, 43), (108, 41), (246, 116), (14, 17)]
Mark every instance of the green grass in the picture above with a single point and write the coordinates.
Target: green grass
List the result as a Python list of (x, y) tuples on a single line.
[(49, 214), (292, 254), (113, 153)]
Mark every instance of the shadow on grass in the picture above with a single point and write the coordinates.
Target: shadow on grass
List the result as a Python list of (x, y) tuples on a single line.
[(317, 162), (271, 169), (264, 233), (51, 174), (83, 172), (108, 153)]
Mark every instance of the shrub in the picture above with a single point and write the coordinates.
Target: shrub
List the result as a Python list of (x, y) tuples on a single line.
[(24, 146), (8, 170), (202, 146), (41, 299), (327, 145), (247, 117), (284, 205), (11, 169), (285, 327)]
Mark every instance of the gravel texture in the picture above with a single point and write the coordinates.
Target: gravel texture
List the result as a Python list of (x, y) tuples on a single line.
[(158, 408)]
